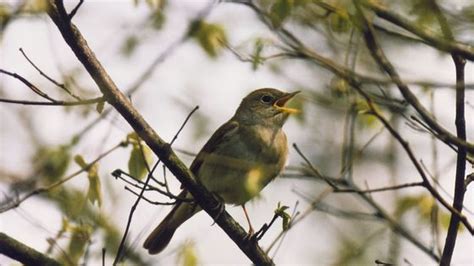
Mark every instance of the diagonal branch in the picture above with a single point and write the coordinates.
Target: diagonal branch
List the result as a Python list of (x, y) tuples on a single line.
[(22, 253), (116, 98), (377, 53), (438, 42)]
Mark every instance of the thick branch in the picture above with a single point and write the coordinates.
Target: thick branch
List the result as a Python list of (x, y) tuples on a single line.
[(22, 253), (162, 149)]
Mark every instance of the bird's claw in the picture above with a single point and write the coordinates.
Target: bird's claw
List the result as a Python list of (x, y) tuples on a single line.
[(220, 210)]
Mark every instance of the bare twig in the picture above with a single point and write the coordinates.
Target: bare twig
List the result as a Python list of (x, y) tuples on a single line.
[(431, 38), (390, 188), (28, 84), (55, 102), (76, 8), (60, 85), (303, 215), (120, 252), (313, 169)]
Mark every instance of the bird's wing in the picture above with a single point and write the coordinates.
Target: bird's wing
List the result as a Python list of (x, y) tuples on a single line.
[(221, 135)]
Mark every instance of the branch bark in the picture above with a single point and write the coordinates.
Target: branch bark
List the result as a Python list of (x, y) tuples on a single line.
[(22, 253), (119, 101), (459, 188)]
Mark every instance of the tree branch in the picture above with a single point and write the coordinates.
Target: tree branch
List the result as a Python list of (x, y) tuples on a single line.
[(116, 98), (437, 42), (459, 187), (379, 56), (22, 253)]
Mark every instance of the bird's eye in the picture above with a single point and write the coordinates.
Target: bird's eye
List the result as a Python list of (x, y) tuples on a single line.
[(266, 99)]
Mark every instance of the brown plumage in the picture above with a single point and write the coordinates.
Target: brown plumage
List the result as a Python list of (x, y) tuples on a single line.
[(237, 162)]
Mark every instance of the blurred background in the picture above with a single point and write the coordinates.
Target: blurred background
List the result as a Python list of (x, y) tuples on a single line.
[(170, 56)]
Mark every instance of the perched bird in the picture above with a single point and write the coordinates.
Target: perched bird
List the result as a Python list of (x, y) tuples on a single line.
[(237, 162)]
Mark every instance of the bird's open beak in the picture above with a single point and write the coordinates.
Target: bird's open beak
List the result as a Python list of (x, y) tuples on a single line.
[(280, 103)]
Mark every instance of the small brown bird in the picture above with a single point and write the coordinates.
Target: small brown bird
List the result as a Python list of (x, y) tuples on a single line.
[(237, 162)]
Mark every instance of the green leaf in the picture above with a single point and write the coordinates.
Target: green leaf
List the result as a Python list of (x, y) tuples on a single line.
[(279, 11), (100, 107), (80, 236), (94, 193), (298, 104), (187, 255), (129, 45), (211, 37), (339, 87), (366, 118), (423, 10), (138, 161), (80, 161), (257, 54), (339, 20), (281, 212), (157, 19), (52, 162)]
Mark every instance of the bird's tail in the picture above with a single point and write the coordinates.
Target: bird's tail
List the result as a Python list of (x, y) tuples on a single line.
[(162, 234)]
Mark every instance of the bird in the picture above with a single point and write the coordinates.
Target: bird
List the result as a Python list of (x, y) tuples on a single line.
[(237, 162)]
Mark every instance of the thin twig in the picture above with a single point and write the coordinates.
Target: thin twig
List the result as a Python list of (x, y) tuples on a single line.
[(41, 190), (390, 188), (313, 169), (60, 85), (76, 8), (55, 102), (295, 221), (28, 84), (120, 252)]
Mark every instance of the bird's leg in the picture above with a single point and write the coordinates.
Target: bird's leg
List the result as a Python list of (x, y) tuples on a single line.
[(251, 231)]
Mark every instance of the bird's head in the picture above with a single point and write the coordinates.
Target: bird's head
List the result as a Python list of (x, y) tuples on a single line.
[(266, 107)]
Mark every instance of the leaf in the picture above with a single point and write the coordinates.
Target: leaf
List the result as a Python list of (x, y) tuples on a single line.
[(187, 255), (279, 11), (339, 87), (405, 204), (80, 236), (366, 117), (100, 107), (423, 10), (129, 46), (211, 37), (157, 19), (94, 194), (281, 212), (52, 162), (80, 161), (339, 20), (298, 104), (257, 54), (138, 161)]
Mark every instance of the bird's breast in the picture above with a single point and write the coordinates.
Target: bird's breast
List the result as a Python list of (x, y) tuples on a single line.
[(240, 168)]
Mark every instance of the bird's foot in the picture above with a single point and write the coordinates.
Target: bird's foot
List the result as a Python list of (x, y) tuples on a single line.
[(220, 207)]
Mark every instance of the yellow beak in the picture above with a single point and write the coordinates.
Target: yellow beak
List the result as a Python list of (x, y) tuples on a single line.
[(280, 103)]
